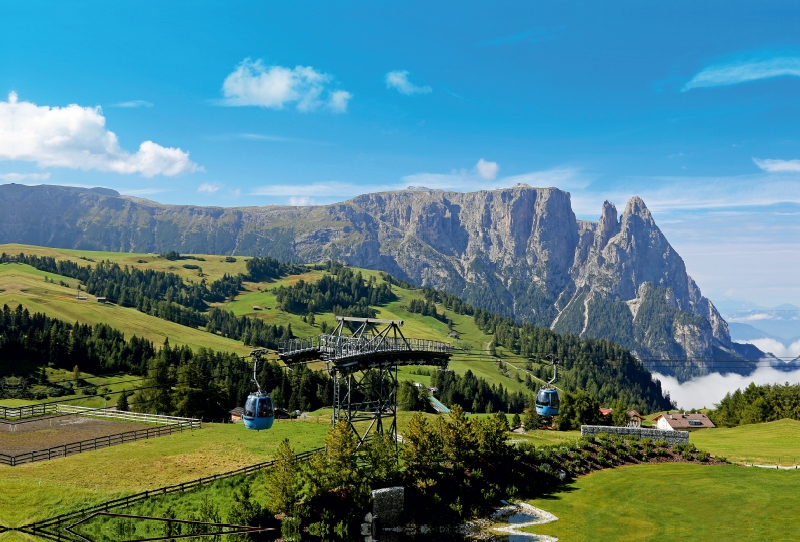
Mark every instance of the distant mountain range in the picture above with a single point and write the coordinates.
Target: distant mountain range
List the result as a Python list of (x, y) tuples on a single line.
[(517, 251)]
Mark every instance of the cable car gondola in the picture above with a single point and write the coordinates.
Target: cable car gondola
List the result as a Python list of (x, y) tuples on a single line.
[(548, 401), (259, 412)]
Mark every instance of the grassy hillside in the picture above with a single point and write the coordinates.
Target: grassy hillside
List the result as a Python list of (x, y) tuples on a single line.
[(22, 284), (676, 501)]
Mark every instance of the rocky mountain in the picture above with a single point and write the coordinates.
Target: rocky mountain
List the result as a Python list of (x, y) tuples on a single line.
[(518, 251)]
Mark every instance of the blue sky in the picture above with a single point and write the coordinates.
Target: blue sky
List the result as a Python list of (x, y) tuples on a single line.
[(692, 106)]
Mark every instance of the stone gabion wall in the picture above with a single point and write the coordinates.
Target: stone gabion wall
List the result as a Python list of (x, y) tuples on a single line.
[(388, 505), (673, 437)]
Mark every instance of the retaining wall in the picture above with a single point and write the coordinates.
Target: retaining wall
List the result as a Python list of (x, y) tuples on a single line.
[(672, 437)]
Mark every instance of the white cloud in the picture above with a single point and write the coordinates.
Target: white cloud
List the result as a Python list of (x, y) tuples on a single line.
[(209, 188), (20, 177), (476, 179), (743, 71), (143, 191), (252, 83), (708, 390), (398, 80), (134, 103), (777, 348), (487, 170), (322, 189), (339, 100), (301, 201), (777, 166), (76, 137)]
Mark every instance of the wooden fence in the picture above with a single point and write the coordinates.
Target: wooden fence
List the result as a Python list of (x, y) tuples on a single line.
[(95, 443), (52, 528)]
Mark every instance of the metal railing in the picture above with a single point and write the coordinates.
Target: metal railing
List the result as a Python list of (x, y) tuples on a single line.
[(336, 348)]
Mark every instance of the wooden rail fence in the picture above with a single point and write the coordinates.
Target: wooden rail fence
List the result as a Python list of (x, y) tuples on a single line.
[(52, 528)]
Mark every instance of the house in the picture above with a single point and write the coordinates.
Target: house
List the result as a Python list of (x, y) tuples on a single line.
[(256, 308), (236, 414), (101, 299), (634, 418), (682, 422), (605, 411)]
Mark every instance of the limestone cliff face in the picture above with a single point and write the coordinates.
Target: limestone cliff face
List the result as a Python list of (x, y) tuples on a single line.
[(518, 251)]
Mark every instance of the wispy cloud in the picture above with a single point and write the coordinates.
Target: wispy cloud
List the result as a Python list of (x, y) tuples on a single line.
[(210, 188), (133, 103), (746, 70), (263, 137), (76, 137), (320, 189), (252, 83), (483, 176), (22, 177), (487, 170), (777, 166), (144, 191), (301, 201), (398, 80), (528, 36)]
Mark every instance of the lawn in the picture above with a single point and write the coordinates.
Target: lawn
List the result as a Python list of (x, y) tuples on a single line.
[(40, 490), (769, 443), (675, 501)]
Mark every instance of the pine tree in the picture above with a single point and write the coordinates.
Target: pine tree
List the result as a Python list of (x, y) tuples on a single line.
[(283, 480), (122, 402)]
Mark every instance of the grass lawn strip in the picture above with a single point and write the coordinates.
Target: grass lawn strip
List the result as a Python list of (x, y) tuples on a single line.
[(771, 443), (675, 501)]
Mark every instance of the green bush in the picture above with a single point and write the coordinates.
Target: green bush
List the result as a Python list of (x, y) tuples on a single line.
[(647, 441), (661, 443), (647, 450), (687, 455)]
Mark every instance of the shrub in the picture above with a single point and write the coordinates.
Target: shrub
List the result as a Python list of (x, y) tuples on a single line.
[(687, 455), (661, 452), (647, 450), (661, 443), (190, 266), (702, 456), (647, 441)]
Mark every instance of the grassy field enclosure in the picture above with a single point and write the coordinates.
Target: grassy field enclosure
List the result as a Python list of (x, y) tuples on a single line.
[(769, 443), (40, 490), (675, 501)]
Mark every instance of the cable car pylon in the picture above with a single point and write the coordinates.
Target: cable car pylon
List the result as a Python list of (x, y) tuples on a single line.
[(362, 359)]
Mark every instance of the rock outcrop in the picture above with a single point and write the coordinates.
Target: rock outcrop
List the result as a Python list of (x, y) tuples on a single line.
[(518, 251)]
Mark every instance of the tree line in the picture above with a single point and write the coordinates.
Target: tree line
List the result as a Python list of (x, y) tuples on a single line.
[(341, 291), (757, 404), (176, 380)]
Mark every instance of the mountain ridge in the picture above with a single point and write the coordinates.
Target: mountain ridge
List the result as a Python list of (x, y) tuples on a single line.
[(518, 251)]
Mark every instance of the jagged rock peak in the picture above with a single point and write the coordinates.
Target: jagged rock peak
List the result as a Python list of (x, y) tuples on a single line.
[(608, 226), (637, 208)]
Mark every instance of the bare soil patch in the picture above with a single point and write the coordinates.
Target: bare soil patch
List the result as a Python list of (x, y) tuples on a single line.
[(52, 431)]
